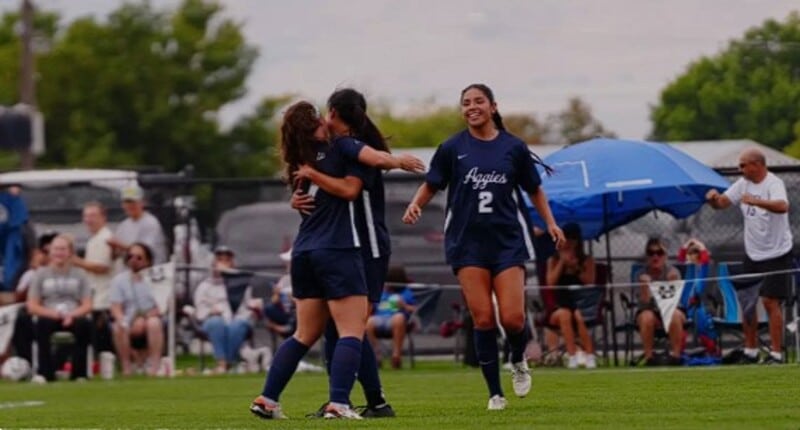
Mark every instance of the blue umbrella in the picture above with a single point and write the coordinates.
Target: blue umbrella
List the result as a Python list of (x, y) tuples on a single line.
[(602, 184)]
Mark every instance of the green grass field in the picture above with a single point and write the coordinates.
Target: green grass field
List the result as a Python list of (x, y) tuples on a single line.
[(435, 395)]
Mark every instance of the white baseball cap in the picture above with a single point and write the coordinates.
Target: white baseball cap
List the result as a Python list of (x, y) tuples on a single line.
[(132, 192)]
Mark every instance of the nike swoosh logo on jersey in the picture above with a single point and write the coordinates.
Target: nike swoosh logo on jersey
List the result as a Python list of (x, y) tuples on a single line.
[(461, 156)]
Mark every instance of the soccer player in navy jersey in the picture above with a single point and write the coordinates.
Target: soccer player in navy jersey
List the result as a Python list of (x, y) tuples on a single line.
[(360, 140), (487, 237), (327, 267)]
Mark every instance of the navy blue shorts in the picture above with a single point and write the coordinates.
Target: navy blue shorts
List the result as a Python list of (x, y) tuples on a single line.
[(328, 274), (375, 271), (493, 268)]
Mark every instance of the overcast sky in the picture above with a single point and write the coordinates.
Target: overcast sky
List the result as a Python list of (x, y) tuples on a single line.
[(616, 54)]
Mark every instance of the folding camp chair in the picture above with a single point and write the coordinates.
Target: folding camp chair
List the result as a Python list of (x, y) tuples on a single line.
[(589, 300), (426, 300), (735, 295)]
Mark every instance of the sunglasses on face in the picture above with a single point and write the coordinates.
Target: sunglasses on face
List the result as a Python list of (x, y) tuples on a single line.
[(136, 257), (654, 252)]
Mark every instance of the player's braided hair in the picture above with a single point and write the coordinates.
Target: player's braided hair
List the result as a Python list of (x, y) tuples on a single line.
[(351, 107), (300, 122)]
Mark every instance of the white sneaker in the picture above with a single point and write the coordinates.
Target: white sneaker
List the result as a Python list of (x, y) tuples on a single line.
[(335, 411), (38, 379), (573, 362), (521, 378), (497, 403), (591, 361)]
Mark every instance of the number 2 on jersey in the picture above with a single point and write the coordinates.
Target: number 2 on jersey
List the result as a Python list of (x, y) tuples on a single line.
[(484, 202)]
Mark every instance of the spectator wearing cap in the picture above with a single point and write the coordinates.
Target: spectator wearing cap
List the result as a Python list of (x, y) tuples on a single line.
[(139, 226), (279, 312), (225, 327)]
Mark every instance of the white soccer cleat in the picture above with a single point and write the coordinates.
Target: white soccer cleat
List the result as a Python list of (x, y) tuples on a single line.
[(573, 362), (340, 412), (497, 403), (591, 361), (521, 378), (267, 409)]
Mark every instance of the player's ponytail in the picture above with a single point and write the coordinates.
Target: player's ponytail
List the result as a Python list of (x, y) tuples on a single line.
[(351, 108), (496, 118)]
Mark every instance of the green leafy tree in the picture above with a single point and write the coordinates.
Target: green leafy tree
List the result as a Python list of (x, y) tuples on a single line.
[(429, 127), (749, 90), (253, 139), (142, 87), (527, 127), (576, 123)]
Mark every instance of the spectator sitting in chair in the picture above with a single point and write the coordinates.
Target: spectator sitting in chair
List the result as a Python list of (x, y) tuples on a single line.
[(648, 316), (137, 320), (694, 252), (392, 314), (568, 267), (60, 298), (279, 312), (225, 329), (22, 339)]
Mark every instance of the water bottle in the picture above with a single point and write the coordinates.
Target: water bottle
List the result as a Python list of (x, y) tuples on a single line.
[(107, 365)]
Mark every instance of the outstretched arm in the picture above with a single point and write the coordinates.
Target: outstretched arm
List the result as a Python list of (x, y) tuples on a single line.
[(414, 210), (386, 161), (717, 200)]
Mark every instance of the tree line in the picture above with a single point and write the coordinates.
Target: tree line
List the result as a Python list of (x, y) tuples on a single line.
[(144, 87)]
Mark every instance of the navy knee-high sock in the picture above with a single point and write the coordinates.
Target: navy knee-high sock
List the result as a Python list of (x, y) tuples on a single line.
[(486, 350), (368, 375), (331, 337), (344, 367), (517, 340), (283, 366)]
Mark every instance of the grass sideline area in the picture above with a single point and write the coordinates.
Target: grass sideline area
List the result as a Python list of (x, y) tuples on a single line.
[(435, 395)]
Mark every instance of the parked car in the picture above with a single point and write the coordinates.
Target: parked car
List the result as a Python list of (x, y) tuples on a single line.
[(55, 198), (258, 233)]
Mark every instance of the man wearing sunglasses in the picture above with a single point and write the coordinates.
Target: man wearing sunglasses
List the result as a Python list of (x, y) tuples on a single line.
[(648, 316), (762, 199), (137, 320)]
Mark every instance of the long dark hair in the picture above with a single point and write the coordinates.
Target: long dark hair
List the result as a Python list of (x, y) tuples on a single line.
[(300, 122), (496, 118), (351, 107), (148, 253), (572, 231)]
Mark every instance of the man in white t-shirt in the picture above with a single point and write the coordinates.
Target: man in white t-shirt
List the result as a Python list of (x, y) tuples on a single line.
[(140, 226), (767, 242), (98, 262)]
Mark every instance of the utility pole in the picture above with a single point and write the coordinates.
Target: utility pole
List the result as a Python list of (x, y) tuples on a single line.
[(27, 83)]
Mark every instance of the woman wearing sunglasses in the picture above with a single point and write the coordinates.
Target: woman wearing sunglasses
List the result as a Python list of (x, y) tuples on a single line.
[(648, 317), (137, 320)]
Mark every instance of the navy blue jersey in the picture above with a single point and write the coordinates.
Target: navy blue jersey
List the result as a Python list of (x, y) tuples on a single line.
[(371, 206), (332, 223), (486, 221)]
